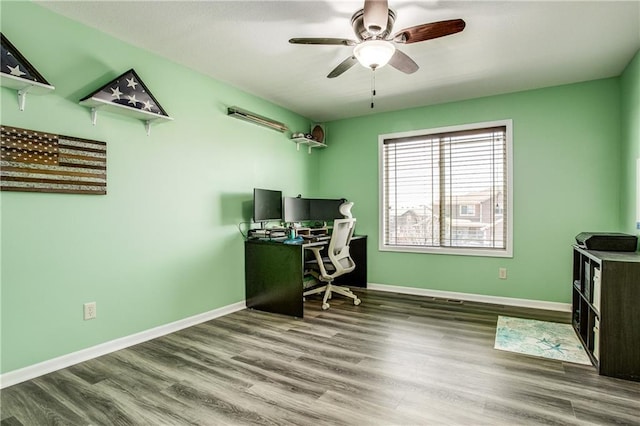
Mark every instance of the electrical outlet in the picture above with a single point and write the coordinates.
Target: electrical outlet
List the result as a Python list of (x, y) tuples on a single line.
[(89, 310), (502, 273)]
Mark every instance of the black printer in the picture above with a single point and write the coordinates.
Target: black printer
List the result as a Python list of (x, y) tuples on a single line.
[(603, 241)]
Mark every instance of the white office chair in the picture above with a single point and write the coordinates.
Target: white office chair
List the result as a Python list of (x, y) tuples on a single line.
[(338, 262)]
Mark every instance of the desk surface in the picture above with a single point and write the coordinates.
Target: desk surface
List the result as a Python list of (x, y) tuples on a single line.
[(282, 241), (303, 243)]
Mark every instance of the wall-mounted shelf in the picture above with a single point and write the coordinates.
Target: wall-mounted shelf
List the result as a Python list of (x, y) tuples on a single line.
[(99, 104), (311, 143), (23, 87), (19, 74), (126, 95)]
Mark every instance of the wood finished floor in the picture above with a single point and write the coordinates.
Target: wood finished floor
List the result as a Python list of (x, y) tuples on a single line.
[(393, 360)]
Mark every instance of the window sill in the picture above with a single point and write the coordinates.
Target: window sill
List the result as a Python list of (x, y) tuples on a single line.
[(461, 251)]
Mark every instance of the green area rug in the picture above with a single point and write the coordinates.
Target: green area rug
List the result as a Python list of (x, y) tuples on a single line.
[(540, 338)]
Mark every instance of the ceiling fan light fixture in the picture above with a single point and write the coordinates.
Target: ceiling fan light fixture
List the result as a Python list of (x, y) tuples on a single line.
[(374, 53)]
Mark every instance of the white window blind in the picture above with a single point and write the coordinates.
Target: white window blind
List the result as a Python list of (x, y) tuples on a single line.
[(447, 189)]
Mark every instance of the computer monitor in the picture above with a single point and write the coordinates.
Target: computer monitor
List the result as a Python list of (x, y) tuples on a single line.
[(295, 209), (325, 210), (267, 205)]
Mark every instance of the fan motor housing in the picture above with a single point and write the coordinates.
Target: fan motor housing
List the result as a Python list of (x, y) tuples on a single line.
[(357, 22)]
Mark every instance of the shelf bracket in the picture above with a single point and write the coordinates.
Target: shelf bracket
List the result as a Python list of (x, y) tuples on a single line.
[(147, 126), (22, 98), (94, 115), (309, 148)]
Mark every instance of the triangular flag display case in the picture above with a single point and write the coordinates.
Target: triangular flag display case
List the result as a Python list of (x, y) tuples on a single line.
[(126, 95), (17, 73)]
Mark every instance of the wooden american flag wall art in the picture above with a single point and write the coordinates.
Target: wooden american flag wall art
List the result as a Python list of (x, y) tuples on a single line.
[(35, 161)]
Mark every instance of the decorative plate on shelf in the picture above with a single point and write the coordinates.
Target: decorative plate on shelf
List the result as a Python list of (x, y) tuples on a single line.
[(318, 133)]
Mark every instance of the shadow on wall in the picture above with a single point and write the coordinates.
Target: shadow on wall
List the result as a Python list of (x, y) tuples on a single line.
[(236, 208)]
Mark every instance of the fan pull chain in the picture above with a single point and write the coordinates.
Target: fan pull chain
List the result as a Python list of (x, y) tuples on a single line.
[(373, 87)]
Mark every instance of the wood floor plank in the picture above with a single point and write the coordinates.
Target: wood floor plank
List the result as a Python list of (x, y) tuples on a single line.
[(396, 359), (10, 421), (86, 402), (302, 409), (153, 408), (34, 405)]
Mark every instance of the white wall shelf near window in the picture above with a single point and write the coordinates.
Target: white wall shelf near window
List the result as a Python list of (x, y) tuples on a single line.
[(448, 190), (311, 143)]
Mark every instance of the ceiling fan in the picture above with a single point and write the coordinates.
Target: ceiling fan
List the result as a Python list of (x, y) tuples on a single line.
[(374, 46)]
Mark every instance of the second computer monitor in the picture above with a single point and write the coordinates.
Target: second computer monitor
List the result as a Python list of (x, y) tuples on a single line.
[(296, 209), (311, 209)]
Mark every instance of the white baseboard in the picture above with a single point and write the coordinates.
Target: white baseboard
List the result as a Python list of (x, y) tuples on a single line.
[(496, 300), (27, 373)]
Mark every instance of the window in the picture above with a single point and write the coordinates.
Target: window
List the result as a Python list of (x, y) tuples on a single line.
[(447, 190), (467, 210)]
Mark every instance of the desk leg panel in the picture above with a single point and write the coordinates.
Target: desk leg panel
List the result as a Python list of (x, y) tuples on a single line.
[(273, 278)]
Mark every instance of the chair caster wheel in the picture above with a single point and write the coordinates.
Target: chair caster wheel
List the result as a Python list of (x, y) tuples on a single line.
[(357, 302), (325, 306)]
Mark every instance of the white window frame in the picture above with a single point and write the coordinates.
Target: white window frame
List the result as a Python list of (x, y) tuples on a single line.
[(464, 251)]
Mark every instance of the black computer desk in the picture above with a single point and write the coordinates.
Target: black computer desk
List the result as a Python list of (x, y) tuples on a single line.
[(274, 273)]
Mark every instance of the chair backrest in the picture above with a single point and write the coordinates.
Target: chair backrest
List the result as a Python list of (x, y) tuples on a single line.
[(338, 251)]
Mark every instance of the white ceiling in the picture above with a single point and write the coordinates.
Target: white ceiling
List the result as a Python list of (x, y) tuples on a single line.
[(506, 46)]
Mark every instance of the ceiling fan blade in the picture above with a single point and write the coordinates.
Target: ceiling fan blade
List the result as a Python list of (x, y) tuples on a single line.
[(343, 66), (376, 13), (429, 31), (330, 41), (404, 63)]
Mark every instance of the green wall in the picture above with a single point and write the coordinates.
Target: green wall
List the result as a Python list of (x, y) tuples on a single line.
[(566, 145), (630, 88), (163, 244)]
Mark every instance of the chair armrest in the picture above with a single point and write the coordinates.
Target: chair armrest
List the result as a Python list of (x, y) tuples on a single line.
[(323, 271)]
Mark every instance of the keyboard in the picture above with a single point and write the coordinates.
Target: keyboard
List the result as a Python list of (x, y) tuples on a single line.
[(316, 238)]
